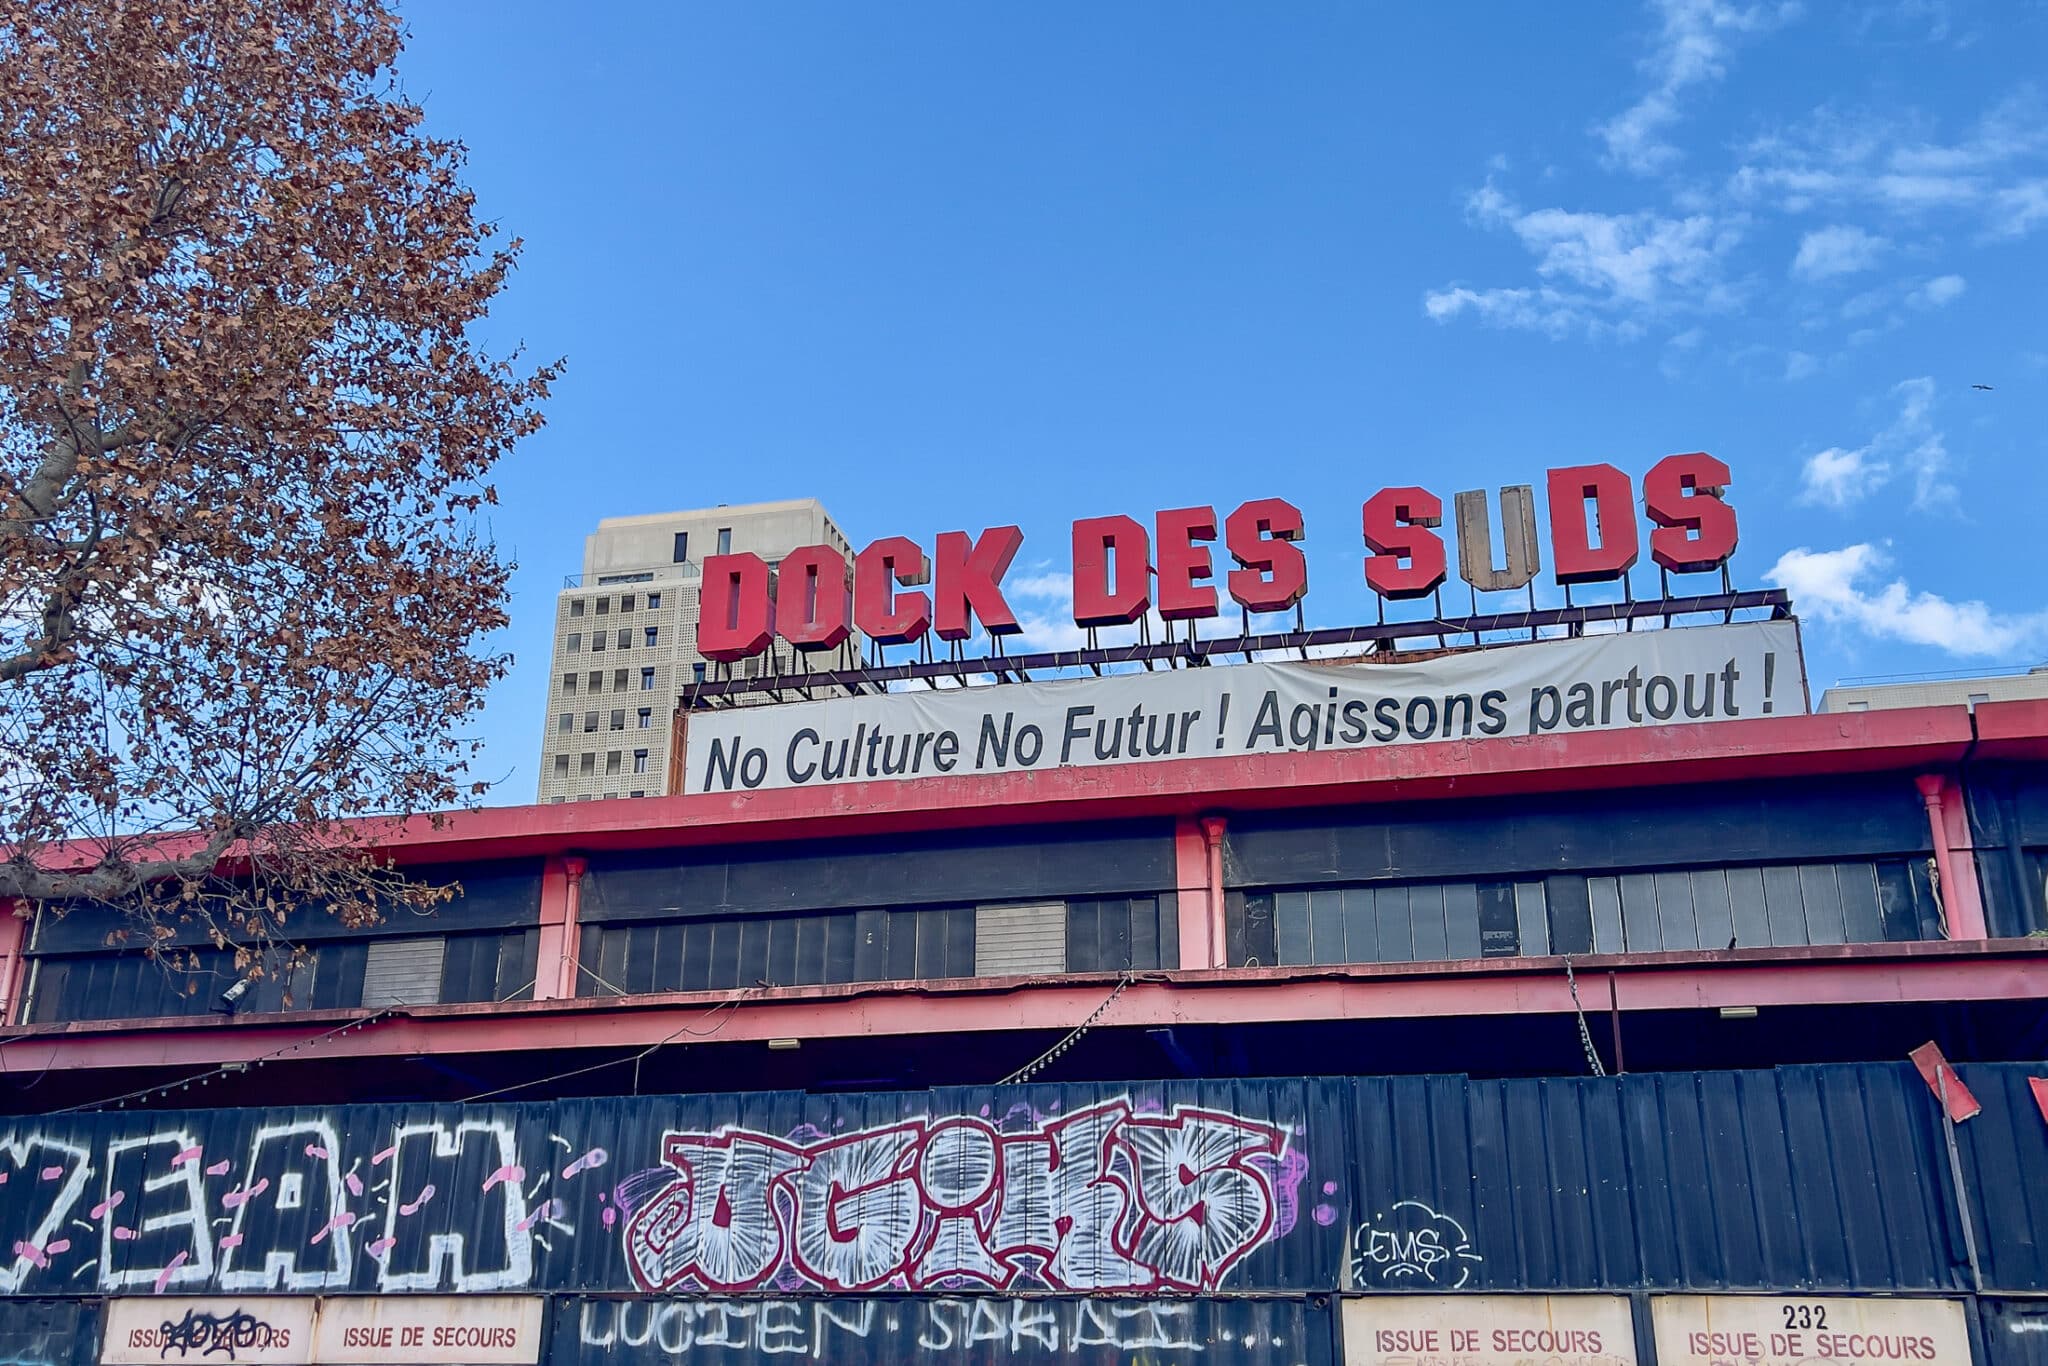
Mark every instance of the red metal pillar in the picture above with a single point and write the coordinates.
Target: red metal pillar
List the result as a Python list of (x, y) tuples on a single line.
[(13, 963), (561, 933), (1212, 837), (1198, 948), (1962, 899)]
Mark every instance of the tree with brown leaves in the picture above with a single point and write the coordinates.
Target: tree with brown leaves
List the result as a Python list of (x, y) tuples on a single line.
[(245, 434)]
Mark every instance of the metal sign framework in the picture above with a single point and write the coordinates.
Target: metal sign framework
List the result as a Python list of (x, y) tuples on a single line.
[(724, 688)]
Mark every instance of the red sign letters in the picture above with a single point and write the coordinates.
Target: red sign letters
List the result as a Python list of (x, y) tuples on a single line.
[(814, 600)]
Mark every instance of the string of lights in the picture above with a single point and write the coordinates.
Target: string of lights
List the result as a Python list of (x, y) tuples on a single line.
[(1045, 1059), (149, 1093)]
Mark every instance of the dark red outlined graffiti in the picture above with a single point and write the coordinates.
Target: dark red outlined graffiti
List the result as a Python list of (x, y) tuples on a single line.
[(1102, 1199)]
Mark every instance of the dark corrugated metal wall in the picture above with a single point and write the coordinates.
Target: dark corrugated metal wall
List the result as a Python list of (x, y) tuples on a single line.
[(1821, 1178)]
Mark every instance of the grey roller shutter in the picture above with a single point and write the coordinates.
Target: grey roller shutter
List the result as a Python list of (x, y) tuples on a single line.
[(1021, 940), (403, 972)]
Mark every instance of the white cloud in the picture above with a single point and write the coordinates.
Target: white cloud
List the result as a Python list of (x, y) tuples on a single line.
[(1549, 311), (1939, 292), (1890, 162), (1624, 257), (1834, 586), (1043, 582), (1602, 273), (1839, 477), (2018, 208), (1799, 365), (1690, 49), (1839, 250)]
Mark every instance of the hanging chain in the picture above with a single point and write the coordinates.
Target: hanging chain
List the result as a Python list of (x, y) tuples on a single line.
[(1039, 1064), (1585, 1034)]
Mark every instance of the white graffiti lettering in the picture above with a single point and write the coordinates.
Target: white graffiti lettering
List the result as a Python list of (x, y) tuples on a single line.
[(1101, 1199), (444, 1258), (180, 1246), (57, 1171), (814, 1328), (275, 1154), (1410, 1242)]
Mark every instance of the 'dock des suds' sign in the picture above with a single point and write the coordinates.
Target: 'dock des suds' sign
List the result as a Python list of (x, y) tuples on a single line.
[(1610, 682)]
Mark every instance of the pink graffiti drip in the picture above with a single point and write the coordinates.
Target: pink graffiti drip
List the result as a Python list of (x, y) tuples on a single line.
[(1325, 1215), (354, 1183), (237, 1199), (30, 1252), (219, 1168), (590, 1161), (379, 1159), (515, 1175), (188, 1155), (547, 1209), (231, 1240), (380, 1247), (315, 1150), (611, 1215), (52, 1173), (163, 1278), (112, 1202), (426, 1194), (58, 1245), (123, 1235), (334, 1225)]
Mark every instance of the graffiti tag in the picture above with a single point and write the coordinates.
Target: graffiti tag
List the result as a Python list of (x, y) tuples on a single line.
[(1102, 1199), (1412, 1242)]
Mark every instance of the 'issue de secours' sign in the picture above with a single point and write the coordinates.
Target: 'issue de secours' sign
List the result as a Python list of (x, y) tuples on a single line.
[(1488, 1330), (1771, 1330), (417, 1330)]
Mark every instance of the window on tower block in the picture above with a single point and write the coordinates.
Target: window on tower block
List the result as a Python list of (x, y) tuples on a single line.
[(725, 540), (682, 555), (647, 680)]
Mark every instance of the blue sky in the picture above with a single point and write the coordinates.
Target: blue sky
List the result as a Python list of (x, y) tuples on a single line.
[(948, 265)]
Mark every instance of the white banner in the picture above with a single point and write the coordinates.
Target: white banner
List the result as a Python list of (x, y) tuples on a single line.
[(1606, 682)]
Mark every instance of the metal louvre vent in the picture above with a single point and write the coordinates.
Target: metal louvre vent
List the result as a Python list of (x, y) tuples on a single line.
[(403, 972), (1017, 941)]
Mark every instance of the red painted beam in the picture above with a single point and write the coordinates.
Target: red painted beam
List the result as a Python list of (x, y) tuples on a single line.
[(1790, 746), (1787, 746), (1833, 975)]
